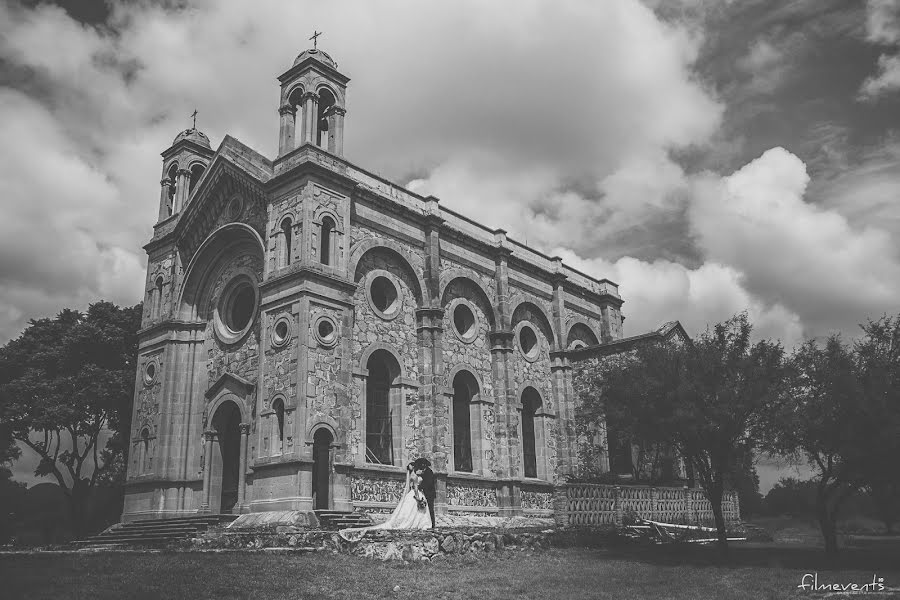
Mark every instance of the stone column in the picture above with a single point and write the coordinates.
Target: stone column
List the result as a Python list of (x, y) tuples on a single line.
[(182, 181), (287, 125), (431, 405), (338, 130), (310, 115), (208, 437), (561, 375), (242, 473), (164, 205)]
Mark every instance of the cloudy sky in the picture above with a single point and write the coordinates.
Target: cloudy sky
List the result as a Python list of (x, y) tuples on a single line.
[(710, 156)]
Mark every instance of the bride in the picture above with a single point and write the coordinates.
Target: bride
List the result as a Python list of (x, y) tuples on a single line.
[(411, 512)]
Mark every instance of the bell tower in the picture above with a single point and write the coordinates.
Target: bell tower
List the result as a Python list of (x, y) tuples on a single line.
[(312, 108), (183, 164)]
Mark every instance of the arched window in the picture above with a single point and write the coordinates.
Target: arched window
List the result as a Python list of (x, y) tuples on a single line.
[(325, 249), (462, 426), (287, 237), (383, 370), (295, 101), (196, 174), (278, 407), (531, 402), (324, 120), (144, 450), (157, 298), (170, 202)]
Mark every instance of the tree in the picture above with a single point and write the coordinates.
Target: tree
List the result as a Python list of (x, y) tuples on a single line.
[(64, 381), (791, 496), (821, 425), (878, 418), (709, 399), (11, 492)]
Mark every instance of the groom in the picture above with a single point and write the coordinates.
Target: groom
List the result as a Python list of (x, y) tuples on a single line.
[(422, 467)]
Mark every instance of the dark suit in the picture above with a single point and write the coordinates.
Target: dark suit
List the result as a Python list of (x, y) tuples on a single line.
[(428, 490)]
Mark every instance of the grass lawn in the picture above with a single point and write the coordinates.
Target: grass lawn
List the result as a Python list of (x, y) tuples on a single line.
[(750, 571)]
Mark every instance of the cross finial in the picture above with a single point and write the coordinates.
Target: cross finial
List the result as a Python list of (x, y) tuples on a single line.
[(315, 38), (194, 115)]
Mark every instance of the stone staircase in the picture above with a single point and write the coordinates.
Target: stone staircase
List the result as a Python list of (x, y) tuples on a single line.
[(336, 519), (154, 532)]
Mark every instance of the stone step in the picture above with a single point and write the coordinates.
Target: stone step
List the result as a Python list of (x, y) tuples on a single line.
[(199, 519), (132, 532), (174, 527), (155, 531)]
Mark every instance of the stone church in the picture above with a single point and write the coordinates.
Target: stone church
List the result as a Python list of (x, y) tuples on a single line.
[(309, 328)]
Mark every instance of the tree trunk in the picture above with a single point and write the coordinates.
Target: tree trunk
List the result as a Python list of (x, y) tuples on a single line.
[(715, 499), (78, 501), (826, 520)]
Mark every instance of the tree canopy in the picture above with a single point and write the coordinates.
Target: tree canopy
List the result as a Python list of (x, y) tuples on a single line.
[(63, 382), (710, 399)]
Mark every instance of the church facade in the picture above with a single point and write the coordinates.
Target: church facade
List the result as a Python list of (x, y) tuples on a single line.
[(309, 328)]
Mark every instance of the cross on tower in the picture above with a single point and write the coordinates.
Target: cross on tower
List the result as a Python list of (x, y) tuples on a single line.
[(194, 115), (315, 37)]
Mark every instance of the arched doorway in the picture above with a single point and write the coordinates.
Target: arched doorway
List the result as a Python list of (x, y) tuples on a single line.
[(321, 484), (225, 467)]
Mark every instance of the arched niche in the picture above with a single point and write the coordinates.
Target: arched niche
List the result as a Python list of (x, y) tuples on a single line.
[(394, 254), (580, 335), (463, 281), (222, 245), (530, 312)]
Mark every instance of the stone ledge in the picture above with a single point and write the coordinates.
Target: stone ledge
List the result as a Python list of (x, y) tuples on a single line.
[(381, 544)]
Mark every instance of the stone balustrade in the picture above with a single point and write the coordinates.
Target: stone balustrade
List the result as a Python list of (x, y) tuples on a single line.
[(591, 505)]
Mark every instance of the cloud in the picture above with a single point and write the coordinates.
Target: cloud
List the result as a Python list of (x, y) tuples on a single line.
[(59, 245), (660, 291), (569, 111), (765, 65), (559, 124), (883, 27), (806, 258), (883, 21)]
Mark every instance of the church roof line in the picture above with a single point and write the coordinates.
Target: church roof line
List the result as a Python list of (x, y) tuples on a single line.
[(268, 172), (665, 332), (417, 202)]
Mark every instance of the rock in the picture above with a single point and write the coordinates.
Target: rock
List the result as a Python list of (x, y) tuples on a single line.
[(449, 544), (477, 546), (392, 552), (396, 588), (432, 546)]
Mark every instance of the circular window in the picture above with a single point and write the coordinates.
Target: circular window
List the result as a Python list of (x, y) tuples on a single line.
[(281, 332), (235, 206), (236, 310), (528, 342), (150, 370), (384, 296), (326, 331), (464, 322)]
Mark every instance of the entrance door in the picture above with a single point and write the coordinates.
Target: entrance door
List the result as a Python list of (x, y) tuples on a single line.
[(230, 444), (321, 468)]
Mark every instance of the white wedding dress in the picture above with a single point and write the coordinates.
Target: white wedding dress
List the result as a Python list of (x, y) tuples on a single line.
[(407, 515)]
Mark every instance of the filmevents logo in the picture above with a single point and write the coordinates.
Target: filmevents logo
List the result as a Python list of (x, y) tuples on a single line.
[(810, 581)]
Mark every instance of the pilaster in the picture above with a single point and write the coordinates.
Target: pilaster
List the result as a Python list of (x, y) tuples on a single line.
[(287, 125)]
